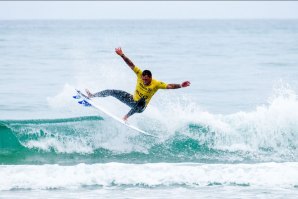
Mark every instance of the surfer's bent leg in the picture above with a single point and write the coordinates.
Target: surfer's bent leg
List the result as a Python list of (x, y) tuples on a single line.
[(123, 96), (138, 108)]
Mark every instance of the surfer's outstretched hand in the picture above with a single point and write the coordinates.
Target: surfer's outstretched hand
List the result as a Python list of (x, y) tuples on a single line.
[(185, 84), (119, 51)]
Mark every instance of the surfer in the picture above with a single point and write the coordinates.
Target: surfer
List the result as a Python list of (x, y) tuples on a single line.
[(146, 87)]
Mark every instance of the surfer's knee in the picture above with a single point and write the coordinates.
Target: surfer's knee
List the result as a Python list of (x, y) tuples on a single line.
[(140, 111)]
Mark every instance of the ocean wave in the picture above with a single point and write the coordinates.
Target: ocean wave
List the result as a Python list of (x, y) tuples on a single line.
[(150, 175), (267, 134)]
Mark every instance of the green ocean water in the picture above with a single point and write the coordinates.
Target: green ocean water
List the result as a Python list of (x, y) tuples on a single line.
[(15, 134), (47, 141)]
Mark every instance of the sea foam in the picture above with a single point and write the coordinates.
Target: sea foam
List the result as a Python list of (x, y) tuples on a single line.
[(148, 175)]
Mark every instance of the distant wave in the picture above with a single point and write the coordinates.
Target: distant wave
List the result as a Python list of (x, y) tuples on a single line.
[(53, 176)]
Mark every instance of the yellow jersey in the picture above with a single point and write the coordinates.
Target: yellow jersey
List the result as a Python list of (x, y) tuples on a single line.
[(146, 91)]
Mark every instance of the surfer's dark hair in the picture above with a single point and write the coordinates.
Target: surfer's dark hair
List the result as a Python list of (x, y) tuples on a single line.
[(147, 72)]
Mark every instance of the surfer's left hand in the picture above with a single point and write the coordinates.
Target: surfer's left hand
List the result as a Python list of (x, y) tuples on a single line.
[(185, 84)]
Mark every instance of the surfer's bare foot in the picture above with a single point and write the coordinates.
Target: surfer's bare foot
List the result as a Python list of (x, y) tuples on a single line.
[(89, 93), (125, 118)]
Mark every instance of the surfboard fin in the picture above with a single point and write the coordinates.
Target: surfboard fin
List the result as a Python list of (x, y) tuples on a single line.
[(84, 102), (76, 97)]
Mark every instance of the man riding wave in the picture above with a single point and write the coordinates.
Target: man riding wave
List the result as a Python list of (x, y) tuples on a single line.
[(146, 87)]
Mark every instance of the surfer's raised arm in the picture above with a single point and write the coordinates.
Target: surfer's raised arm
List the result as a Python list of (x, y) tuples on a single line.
[(126, 59)]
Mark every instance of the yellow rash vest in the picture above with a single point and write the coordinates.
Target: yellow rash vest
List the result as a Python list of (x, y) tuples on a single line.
[(143, 91)]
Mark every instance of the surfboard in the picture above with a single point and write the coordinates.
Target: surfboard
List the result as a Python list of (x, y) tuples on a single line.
[(86, 101)]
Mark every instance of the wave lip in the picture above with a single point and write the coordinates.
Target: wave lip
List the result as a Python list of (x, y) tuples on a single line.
[(148, 175)]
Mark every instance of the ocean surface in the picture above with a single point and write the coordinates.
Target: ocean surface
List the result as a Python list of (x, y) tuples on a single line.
[(232, 134)]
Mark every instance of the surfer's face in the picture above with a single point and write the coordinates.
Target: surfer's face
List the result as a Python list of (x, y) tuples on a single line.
[(146, 79)]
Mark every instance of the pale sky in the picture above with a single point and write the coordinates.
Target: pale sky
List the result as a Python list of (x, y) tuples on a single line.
[(148, 9)]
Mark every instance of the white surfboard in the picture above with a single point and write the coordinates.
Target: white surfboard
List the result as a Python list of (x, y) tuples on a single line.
[(87, 100)]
